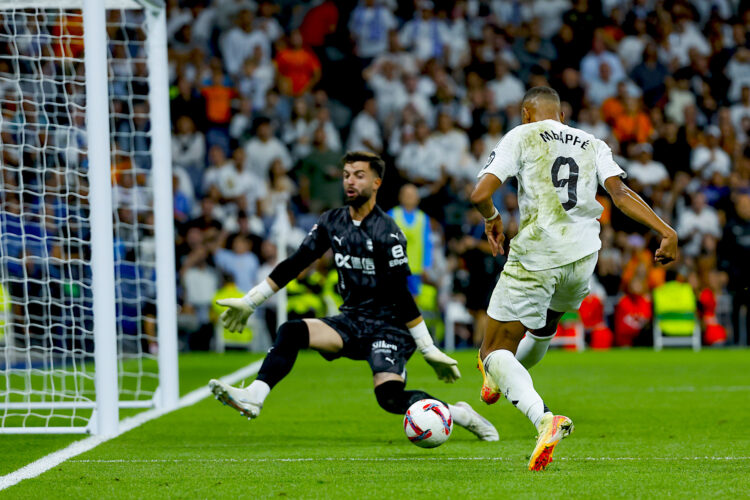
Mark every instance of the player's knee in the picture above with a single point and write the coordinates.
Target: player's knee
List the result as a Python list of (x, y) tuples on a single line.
[(547, 330), (391, 396), (293, 335), (550, 328)]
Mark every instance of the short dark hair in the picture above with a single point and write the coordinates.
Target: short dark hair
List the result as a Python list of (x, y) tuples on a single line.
[(376, 163), (543, 92)]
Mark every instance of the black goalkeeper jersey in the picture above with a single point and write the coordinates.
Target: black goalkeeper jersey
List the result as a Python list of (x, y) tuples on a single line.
[(370, 260)]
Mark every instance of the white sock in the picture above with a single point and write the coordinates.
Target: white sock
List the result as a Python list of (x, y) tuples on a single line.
[(532, 349), (515, 383), (257, 391), (460, 415)]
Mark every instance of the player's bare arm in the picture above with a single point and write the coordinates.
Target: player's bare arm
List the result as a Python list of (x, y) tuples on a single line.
[(634, 207), (481, 198)]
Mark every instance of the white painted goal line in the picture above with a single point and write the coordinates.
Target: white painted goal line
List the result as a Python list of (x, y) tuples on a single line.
[(394, 459), (74, 449)]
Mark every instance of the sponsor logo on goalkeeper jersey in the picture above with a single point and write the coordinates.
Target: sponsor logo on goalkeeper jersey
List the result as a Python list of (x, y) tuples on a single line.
[(365, 264)]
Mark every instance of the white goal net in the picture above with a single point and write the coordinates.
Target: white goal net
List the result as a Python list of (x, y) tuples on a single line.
[(48, 329)]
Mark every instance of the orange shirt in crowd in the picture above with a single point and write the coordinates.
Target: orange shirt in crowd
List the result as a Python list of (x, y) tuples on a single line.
[(655, 276), (218, 103), (633, 128), (299, 66), (612, 108), (69, 29)]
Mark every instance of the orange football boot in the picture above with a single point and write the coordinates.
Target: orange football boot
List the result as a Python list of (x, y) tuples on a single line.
[(488, 394), (553, 429)]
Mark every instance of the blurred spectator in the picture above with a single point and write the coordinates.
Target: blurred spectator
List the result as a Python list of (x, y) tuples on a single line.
[(365, 132), (452, 145), (238, 186), (599, 57), (189, 148), (738, 72), (507, 90), (741, 110), (239, 261), (217, 161), (632, 313), (415, 224), (255, 79), (369, 25), (218, 94), (644, 169), (425, 35), (319, 22), (419, 160), (264, 148), (710, 159), (697, 222), (188, 102), (240, 42), (633, 125), (390, 94), (650, 75), (280, 189), (267, 22), (298, 67), (319, 175)]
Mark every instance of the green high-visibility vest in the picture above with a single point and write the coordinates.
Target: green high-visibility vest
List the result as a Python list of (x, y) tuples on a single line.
[(301, 299), (675, 308), (414, 234)]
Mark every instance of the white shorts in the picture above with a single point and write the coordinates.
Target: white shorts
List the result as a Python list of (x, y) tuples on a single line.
[(525, 296)]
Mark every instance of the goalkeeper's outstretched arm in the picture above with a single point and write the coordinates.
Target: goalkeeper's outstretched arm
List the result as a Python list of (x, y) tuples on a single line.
[(239, 310)]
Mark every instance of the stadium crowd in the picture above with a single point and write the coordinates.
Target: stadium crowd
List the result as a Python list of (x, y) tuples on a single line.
[(267, 96)]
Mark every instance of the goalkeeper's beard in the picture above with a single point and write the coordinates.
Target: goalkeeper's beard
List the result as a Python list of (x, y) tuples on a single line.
[(359, 199)]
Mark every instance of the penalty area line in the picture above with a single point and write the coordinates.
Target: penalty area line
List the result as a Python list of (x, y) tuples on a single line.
[(74, 449)]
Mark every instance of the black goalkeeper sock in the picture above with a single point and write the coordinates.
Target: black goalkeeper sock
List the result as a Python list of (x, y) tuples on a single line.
[(393, 398), (290, 339)]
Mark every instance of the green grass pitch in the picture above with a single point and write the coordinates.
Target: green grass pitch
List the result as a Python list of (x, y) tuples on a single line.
[(650, 425)]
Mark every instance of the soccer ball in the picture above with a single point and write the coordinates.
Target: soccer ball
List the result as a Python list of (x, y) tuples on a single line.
[(428, 423)]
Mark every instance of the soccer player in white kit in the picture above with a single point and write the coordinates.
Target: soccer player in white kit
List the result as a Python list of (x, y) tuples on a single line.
[(554, 253)]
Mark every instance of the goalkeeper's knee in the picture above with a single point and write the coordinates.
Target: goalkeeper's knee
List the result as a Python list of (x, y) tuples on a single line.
[(393, 398), (292, 336)]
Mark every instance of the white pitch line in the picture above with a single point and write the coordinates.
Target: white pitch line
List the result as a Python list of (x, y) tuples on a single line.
[(74, 449), (393, 459)]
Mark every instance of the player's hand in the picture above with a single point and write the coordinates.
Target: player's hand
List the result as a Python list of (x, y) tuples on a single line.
[(445, 367), (667, 251), (495, 235), (235, 317)]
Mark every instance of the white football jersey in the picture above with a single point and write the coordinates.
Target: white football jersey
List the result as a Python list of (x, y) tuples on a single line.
[(557, 168)]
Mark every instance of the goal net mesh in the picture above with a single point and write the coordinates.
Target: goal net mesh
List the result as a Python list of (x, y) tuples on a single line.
[(46, 317)]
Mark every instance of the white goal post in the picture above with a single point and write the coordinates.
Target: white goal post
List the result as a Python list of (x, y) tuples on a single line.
[(87, 269)]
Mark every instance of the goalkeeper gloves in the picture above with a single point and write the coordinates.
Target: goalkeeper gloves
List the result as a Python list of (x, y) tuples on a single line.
[(445, 367), (239, 310)]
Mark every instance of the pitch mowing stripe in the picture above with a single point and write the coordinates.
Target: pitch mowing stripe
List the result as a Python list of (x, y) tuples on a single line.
[(391, 459), (74, 449)]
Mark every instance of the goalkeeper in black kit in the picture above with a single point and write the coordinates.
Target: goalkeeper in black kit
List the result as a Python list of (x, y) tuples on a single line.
[(379, 321)]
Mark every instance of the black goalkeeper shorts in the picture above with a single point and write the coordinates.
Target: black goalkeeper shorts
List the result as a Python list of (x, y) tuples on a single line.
[(386, 347)]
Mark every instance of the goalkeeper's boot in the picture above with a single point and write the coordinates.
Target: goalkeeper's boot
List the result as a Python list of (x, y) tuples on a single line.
[(479, 425), (236, 398), (490, 393), (552, 429)]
